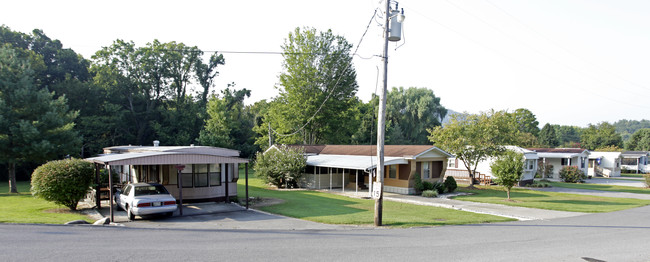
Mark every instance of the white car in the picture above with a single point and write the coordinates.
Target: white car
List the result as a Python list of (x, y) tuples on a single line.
[(145, 199)]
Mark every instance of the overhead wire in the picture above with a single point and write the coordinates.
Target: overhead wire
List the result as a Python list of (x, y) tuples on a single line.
[(519, 63), (562, 47), (530, 47), (335, 84)]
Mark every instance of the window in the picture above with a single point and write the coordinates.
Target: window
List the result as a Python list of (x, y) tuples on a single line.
[(200, 175), (582, 162), (173, 176), (530, 164), (451, 163), (215, 175), (392, 171), (564, 161), (187, 177), (425, 170)]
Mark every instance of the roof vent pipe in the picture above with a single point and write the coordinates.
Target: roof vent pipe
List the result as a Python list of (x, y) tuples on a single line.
[(156, 143)]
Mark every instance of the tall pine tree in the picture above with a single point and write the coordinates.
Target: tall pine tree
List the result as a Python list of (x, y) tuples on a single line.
[(34, 126)]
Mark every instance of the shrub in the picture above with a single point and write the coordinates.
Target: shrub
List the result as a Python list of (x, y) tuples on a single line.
[(281, 167), (417, 185), (439, 186), (429, 193), (540, 184), (64, 182), (571, 174), (427, 185), (646, 178), (450, 184)]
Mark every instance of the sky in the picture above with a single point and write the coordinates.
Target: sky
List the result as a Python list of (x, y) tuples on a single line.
[(570, 62)]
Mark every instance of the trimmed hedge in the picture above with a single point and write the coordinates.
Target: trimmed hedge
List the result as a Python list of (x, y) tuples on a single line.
[(64, 182)]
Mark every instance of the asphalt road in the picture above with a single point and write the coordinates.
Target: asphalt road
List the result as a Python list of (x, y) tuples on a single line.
[(617, 236)]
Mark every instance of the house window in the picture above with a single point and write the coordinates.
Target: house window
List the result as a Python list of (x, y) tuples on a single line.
[(200, 175), (451, 163), (582, 162), (187, 179), (392, 171), (215, 175), (530, 164), (564, 161), (425, 170)]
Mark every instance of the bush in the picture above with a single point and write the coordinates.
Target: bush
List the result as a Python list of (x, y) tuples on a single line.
[(439, 186), (571, 174), (450, 184), (417, 185), (282, 167), (540, 184), (64, 182), (426, 185), (429, 193), (646, 178)]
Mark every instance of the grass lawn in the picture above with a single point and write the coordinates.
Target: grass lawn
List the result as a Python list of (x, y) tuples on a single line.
[(601, 187), (550, 200), (24, 208), (632, 175), (335, 209)]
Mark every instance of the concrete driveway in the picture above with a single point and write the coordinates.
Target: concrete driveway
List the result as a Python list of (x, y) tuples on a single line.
[(633, 182), (217, 216)]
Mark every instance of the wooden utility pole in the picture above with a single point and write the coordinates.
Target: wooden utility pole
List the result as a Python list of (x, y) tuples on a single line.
[(381, 125)]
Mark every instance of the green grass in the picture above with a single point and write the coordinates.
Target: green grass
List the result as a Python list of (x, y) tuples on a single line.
[(632, 175), (550, 200), (24, 208), (335, 209), (601, 187)]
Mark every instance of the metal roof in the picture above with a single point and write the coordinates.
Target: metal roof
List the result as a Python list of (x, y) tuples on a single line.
[(163, 158), (352, 162)]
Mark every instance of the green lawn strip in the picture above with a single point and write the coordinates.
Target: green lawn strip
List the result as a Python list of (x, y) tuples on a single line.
[(24, 208), (632, 175), (601, 187), (549, 200), (336, 209)]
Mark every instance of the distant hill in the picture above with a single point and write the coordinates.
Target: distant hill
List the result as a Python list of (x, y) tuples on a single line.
[(627, 127), (448, 116)]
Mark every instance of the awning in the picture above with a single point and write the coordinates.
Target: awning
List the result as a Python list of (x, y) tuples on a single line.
[(352, 162), (163, 158)]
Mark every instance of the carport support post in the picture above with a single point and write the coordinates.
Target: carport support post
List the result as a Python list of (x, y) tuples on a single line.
[(110, 190), (227, 185), (98, 201), (180, 168), (246, 165)]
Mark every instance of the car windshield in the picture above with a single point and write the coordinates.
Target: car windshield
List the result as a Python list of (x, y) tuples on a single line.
[(150, 190)]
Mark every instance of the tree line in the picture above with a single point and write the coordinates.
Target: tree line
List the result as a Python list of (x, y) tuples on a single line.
[(55, 103)]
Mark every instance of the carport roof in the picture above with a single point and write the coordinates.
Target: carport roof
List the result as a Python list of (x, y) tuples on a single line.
[(352, 162), (163, 158)]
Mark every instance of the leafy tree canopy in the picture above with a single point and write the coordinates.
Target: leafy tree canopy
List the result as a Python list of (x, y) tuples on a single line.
[(601, 135), (640, 140), (317, 90), (507, 169), (473, 138)]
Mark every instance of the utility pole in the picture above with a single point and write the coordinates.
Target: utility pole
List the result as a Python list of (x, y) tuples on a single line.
[(394, 33)]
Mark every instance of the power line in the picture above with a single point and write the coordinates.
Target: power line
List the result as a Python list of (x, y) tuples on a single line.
[(533, 69), (335, 84), (562, 47)]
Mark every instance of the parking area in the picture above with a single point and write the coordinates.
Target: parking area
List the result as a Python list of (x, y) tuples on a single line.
[(212, 215)]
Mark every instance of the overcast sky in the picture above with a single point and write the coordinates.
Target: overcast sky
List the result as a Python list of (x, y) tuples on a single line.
[(570, 62)]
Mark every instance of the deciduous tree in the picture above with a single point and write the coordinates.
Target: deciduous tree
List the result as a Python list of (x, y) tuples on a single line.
[(639, 141), (507, 169), (317, 89), (473, 138)]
